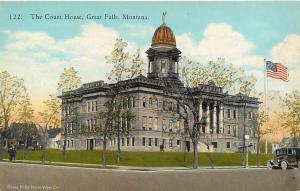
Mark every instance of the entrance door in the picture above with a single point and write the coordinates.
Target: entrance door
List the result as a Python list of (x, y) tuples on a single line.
[(91, 144), (188, 146)]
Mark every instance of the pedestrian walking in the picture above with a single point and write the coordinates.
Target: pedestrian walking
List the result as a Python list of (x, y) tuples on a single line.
[(10, 153), (14, 153)]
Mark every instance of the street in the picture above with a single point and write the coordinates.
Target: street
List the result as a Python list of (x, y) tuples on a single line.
[(14, 176)]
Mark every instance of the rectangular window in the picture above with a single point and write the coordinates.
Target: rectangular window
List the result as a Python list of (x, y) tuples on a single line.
[(163, 66), (228, 113), (155, 123), (123, 142), (127, 141), (178, 143), (215, 144), (170, 125), (132, 141), (131, 124), (234, 114), (234, 130), (150, 142), (164, 124), (150, 123), (133, 102), (144, 123), (228, 145), (228, 130), (93, 106), (144, 141), (156, 142), (178, 124)]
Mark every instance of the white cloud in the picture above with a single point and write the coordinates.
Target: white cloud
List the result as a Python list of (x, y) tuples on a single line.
[(39, 58), (220, 41), (287, 51)]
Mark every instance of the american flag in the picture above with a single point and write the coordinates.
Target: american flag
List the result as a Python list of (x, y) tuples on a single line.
[(277, 70)]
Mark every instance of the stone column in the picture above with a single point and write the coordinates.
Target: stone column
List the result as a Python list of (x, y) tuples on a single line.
[(207, 118), (221, 122), (200, 110), (149, 66), (215, 117)]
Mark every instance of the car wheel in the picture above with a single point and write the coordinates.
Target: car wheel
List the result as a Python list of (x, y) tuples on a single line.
[(299, 165), (269, 165), (283, 165)]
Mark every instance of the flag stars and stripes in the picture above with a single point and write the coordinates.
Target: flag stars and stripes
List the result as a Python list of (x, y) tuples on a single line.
[(277, 70)]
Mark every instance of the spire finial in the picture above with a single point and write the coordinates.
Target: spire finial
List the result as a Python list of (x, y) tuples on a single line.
[(164, 18)]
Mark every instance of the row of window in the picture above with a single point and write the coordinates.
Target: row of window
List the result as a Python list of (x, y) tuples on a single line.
[(91, 106), (92, 124), (155, 142), (150, 123), (232, 114)]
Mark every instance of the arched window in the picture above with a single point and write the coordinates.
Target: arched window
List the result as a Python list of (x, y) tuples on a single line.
[(155, 102), (144, 102), (150, 102), (133, 101), (163, 66), (171, 106)]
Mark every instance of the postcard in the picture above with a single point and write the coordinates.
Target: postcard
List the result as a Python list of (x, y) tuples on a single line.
[(138, 95)]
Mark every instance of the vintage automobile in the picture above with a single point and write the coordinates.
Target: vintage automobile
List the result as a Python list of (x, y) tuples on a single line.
[(285, 158)]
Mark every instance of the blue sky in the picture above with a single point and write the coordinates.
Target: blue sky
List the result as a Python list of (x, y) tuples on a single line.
[(256, 20), (242, 32)]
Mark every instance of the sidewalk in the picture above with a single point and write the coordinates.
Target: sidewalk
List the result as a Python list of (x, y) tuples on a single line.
[(119, 167)]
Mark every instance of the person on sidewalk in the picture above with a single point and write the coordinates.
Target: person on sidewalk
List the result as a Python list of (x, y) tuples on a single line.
[(14, 153), (10, 153)]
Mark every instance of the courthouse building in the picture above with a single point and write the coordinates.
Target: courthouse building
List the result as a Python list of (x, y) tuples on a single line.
[(228, 118)]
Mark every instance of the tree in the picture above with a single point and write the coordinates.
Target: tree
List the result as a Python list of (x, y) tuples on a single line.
[(49, 117), (193, 74), (68, 81), (291, 114), (259, 119), (189, 105), (230, 78), (25, 114), (25, 133), (12, 94), (27, 130), (125, 66)]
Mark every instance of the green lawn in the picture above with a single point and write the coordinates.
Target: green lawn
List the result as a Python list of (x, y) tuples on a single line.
[(144, 159)]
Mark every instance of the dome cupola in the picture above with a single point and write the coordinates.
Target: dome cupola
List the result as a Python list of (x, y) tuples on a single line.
[(163, 35)]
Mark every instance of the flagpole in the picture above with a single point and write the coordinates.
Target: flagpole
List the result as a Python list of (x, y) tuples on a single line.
[(265, 86), (265, 101)]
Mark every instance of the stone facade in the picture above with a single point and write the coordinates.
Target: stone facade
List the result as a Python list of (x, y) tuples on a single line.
[(227, 117)]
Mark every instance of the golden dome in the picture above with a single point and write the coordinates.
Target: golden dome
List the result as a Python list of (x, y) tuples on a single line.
[(163, 36)]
